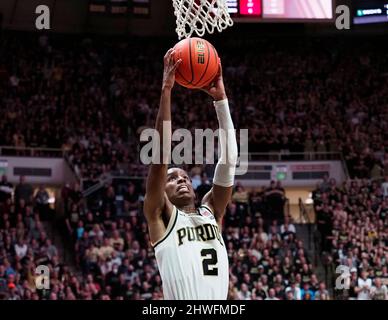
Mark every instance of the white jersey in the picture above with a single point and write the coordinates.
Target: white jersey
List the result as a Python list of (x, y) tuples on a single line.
[(192, 257)]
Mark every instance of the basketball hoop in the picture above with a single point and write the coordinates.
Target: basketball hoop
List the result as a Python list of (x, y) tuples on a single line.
[(200, 16)]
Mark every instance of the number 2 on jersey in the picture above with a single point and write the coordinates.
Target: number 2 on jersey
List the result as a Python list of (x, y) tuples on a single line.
[(208, 264)]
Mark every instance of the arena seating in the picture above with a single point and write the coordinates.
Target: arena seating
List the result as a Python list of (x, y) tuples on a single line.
[(93, 98)]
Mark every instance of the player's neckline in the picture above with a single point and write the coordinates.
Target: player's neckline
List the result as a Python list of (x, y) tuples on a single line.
[(191, 213)]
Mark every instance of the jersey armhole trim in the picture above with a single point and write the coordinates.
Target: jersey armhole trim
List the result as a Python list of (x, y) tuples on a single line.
[(170, 227), (207, 208)]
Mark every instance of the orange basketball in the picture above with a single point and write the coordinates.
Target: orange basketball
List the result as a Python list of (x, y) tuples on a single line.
[(200, 63)]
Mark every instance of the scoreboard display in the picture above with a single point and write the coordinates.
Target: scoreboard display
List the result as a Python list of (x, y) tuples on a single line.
[(281, 10), (370, 11), (139, 8)]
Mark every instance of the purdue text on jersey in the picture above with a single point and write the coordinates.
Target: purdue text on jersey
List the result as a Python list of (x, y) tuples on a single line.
[(204, 232)]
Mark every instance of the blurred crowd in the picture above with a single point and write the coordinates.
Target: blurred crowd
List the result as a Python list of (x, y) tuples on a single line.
[(267, 260), (24, 242), (352, 219), (93, 97)]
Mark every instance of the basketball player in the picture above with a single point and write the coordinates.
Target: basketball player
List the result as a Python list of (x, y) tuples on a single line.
[(189, 248)]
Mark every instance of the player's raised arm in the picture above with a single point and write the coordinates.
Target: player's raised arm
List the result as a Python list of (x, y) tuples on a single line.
[(155, 201), (218, 197)]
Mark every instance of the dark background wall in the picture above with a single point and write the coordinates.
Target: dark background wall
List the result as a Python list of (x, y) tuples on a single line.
[(66, 15), (72, 16)]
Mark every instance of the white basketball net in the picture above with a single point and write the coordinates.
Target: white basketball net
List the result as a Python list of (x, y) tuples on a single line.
[(200, 16)]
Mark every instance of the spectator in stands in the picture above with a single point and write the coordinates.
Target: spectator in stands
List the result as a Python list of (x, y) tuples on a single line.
[(307, 294), (325, 184), (289, 293), (271, 295), (195, 175), (204, 187), (241, 198), (42, 203), (257, 203), (259, 291), (296, 291), (108, 199), (50, 249), (287, 229), (131, 196), (324, 224), (21, 249), (379, 291), (364, 286), (321, 293), (275, 196), (23, 191), (244, 293)]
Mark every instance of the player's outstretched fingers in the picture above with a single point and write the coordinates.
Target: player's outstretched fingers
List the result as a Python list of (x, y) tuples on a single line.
[(167, 55)]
